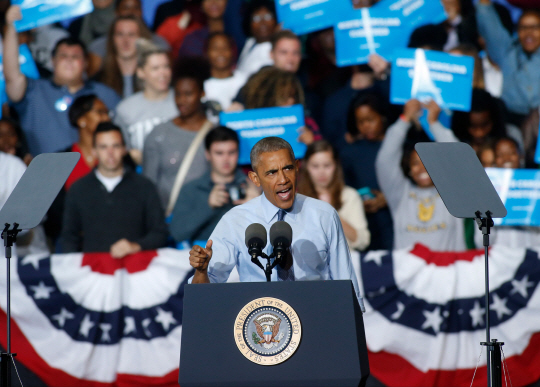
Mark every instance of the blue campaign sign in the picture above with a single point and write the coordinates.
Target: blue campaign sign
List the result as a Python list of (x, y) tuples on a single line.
[(255, 124), (36, 13), (537, 153), (426, 75), (382, 28), (519, 190), (304, 16), (28, 68)]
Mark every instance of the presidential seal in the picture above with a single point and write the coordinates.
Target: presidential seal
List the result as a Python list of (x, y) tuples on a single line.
[(267, 331)]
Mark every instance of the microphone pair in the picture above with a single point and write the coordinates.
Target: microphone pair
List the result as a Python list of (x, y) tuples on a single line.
[(280, 238)]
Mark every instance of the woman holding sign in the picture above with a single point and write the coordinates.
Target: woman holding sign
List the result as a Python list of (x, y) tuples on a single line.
[(417, 209)]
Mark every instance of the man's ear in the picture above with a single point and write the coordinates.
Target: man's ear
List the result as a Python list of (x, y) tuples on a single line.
[(254, 178), (207, 155), (297, 165)]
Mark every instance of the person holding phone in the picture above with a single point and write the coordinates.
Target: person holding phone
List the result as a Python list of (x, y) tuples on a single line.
[(202, 202)]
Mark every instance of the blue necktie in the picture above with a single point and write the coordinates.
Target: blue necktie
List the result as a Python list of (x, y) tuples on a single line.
[(285, 274)]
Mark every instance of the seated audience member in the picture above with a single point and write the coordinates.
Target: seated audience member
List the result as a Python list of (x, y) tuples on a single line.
[(486, 154), (11, 170), (286, 51), (139, 114), (224, 83), (484, 122), (166, 9), (12, 140), (467, 49), (520, 63), (120, 62), (112, 209), (165, 148), (175, 28), (194, 42), (286, 54), (321, 177), (459, 28), (507, 155), (42, 104), (41, 42), (324, 77), (529, 129), (259, 24), (203, 201), (367, 124), (85, 114), (272, 87), (91, 26), (417, 210), (98, 48)]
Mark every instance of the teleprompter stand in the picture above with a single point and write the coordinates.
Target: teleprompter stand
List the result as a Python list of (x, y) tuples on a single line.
[(25, 209), (467, 192)]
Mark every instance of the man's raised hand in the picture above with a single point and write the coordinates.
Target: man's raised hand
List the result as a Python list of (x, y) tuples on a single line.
[(199, 257)]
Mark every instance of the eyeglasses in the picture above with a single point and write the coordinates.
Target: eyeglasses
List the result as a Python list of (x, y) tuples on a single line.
[(265, 17), (528, 27)]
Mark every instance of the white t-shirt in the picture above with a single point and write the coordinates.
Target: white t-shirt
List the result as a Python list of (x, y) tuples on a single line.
[(253, 57), (493, 78), (110, 183), (138, 116), (224, 90), (11, 170)]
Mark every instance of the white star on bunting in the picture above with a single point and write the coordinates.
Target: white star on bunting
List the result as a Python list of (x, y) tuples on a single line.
[(105, 329), (499, 306), (41, 291), (433, 319), (129, 323), (400, 308), (521, 286), (63, 316), (166, 319), (33, 259), (146, 323), (375, 256), (477, 314), (86, 325)]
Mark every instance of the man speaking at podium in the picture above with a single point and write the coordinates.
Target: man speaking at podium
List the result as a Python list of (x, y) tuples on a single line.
[(319, 248)]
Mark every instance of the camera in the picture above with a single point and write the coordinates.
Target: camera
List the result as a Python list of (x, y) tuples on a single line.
[(236, 192)]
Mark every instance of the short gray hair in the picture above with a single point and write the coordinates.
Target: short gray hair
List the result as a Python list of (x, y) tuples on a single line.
[(268, 144)]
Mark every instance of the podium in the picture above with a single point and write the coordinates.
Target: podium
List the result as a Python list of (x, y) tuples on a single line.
[(308, 333)]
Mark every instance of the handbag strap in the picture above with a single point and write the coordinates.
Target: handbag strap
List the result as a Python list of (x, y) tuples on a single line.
[(186, 164)]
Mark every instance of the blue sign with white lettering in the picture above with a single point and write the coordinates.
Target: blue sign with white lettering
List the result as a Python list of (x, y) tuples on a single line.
[(426, 75), (382, 28), (304, 16), (537, 153), (253, 125), (36, 13), (519, 190)]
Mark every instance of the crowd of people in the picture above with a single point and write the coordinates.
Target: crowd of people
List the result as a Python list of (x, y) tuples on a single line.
[(141, 104)]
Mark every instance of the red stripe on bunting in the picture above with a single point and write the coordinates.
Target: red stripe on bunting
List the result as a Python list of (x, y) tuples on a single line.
[(28, 356), (393, 370), (438, 258), (104, 263)]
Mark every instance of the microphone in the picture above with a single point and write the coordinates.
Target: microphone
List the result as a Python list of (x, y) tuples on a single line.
[(255, 239), (280, 238)]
